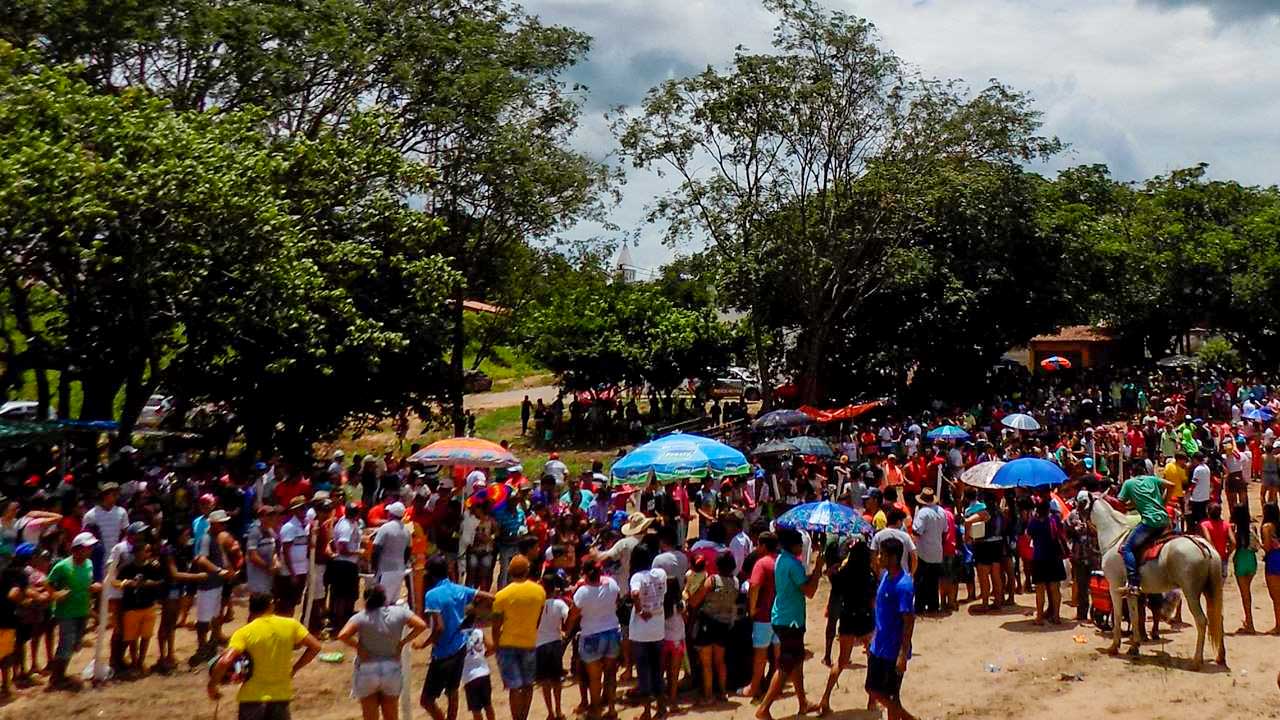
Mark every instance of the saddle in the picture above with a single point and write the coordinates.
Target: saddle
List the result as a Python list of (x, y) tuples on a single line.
[(1152, 549)]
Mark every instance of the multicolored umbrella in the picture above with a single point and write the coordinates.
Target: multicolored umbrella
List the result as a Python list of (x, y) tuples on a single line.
[(1020, 421), (807, 445), (948, 432), (465, 451), (679, 456), (497, 494), (781, 419), (980, 475), (825, 516), (1028, 472), (1055, 363)]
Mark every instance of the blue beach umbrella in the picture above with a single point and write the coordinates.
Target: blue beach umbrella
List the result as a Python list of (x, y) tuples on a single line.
[(1028, 472), (679, 456)]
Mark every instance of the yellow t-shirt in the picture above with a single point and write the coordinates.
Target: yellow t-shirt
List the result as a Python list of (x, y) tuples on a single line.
[(1177, 477), (520, 605), (270, 641), (880, 521)]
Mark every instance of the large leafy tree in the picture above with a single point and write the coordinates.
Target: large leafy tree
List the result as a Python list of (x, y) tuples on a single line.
[(473, 88), (805, 160), (147, 247)]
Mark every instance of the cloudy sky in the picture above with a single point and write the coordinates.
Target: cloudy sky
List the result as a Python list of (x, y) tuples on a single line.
[(1144, 86)]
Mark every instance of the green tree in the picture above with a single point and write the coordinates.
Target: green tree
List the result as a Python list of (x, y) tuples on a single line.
[(806, 159)]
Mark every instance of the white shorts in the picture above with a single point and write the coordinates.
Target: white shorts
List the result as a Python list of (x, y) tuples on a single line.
[(208, 604), (391, 581), (376, 676)]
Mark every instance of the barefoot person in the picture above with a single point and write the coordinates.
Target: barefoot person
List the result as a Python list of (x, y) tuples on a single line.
[(1244, 562), (857, 614), (895, 621), (791, 586)]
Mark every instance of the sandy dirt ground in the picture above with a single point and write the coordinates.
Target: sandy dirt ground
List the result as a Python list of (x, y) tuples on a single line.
[(950, 677)]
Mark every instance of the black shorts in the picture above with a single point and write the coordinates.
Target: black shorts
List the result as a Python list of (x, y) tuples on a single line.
[(711, 632), (790, 647), (478, 694), (444, 675), (883, 677), (1047, 571), (343, 578), (987, 553), (264, 710), (549, 662), (857, 624)]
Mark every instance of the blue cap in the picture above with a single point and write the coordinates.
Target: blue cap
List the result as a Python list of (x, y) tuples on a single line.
[(25, 550), (259, 466)]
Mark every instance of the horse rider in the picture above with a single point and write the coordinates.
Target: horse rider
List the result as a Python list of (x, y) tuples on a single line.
[(1147, 494)]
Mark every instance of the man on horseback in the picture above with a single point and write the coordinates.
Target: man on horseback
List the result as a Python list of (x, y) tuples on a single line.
[(1146, 493)]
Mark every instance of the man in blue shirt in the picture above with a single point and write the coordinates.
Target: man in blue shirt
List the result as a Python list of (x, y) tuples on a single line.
[(895, 621), (791, 585), (445, 605)]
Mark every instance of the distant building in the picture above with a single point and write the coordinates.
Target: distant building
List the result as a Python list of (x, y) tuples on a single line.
[(1084, 346), (625, 270)]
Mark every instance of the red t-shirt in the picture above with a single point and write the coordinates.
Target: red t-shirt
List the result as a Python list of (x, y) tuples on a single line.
[(287, 491), (762, 577), (917, 472), (1217, 531)]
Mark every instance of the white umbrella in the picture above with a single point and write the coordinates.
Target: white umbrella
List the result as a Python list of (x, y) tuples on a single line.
[(980, 475), (1020, 421)]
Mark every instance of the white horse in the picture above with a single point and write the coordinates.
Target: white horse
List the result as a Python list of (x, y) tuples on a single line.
[(1186, 562)]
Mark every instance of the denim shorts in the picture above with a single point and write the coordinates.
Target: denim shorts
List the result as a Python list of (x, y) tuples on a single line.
[(518, 666), (70, 634), (762, 635), (376, 676), (607, 644)]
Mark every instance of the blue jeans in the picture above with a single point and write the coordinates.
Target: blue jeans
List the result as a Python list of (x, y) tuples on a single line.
[(1139, 537)]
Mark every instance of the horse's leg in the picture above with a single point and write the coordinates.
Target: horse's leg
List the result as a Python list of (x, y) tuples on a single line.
[(1192, 595), (1135, 625), (1117, 608)]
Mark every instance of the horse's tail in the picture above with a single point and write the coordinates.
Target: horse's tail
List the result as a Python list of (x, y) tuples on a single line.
[(1212, 591)]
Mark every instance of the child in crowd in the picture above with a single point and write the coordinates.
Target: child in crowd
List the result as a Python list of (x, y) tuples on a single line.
[(475, 674), (549, 653)]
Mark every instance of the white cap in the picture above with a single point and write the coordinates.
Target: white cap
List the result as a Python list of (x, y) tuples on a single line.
[(84, 539), (396, 509), (1082, 498), (476, 479)]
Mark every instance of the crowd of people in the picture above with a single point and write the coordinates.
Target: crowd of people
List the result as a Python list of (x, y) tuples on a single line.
[(689, 592)]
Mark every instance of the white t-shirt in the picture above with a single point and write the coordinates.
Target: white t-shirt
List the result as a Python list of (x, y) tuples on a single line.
[(1246, 464), (652, 586), (551, 625), (111, 523), (349, 532), (599, 606), (294, 531), (392, 539), (740, 547), (909, 445), (474, 665), (1201, 485), (908, 546)]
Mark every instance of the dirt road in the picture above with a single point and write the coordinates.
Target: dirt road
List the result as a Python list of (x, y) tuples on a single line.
[(509, 398)]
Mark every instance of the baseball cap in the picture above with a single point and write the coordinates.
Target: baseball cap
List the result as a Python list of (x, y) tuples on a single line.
[(872, 493), (396, 509), (136, 527), (219, 516), (84, 539), (25, 550)]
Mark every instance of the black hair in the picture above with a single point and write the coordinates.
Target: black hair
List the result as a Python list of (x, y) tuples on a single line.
[(895, 515), (641, 559), (725, 564), (260, 603), (437, 569), (769, 541), (374, 597), (1241, 520), (1271, 514), (892, 546)]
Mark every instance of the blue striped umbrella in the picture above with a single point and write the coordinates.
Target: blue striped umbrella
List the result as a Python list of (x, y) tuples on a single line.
[(825, 516), (948, 432)]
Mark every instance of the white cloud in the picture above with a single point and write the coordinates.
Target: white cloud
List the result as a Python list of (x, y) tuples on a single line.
[(1144, 86)]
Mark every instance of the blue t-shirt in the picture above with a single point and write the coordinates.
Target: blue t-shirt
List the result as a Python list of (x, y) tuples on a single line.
[(895, 597), (450, 601), (788, 598)]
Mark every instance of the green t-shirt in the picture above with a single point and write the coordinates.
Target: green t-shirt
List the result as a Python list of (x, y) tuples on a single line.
[(1144, 493), (67, 575)]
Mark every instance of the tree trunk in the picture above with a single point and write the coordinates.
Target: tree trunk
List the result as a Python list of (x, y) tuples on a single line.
[(135, 395), (99, 397), (762, 366), (809, 383), (64, 394), (43, 397), (456, 392)]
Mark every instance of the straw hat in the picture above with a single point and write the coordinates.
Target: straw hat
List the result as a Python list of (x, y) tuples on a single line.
[(636, 524)]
